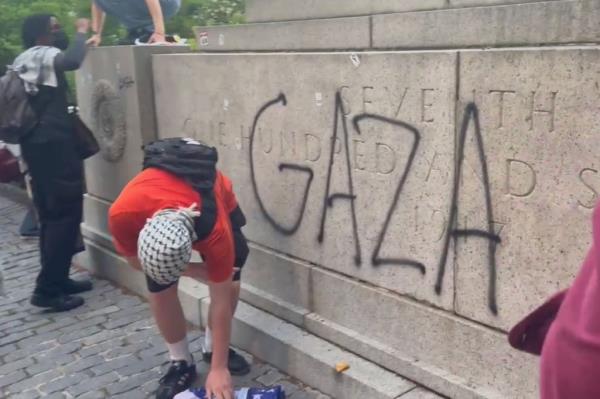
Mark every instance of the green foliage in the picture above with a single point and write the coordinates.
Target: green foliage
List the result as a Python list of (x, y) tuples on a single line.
[(12, 13), (192, 13), (205, 13)]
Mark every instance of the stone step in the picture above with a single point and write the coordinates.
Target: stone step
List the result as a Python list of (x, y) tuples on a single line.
[(341, 33), (554, 22), (550, 22), (286, 10), (310, 358)]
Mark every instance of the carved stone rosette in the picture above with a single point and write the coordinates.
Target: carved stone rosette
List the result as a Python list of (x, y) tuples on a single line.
[(109, 122)]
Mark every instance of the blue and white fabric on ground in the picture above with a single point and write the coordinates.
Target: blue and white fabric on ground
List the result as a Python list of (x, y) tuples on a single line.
[(276, 392)]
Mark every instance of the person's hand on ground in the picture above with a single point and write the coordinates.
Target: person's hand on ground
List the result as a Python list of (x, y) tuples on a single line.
[(82, 25), (157, 38), (219, 385), (95, 40)]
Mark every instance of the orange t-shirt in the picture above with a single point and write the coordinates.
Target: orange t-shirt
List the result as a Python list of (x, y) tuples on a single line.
[(154, 190)]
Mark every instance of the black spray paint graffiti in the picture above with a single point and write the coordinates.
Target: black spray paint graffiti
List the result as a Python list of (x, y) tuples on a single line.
[(452, 232), (471, 113), (375, 259), (283, 166), (350, 196)]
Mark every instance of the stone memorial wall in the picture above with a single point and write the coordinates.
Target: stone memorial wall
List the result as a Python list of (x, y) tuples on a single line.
[(409, 205), (287, 10)]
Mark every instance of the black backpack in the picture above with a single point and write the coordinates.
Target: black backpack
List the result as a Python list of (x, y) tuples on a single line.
[(194, 162), (17, 117)]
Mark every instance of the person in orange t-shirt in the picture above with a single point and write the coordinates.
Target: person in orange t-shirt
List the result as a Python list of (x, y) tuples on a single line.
[(180, 202)]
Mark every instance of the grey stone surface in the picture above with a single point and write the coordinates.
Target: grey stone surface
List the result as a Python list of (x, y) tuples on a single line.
[(273, 304), (425, 84), (553, 22), (312, 359), (191, 294), (288, 10), (538, 120), (114, 88), (324, 34), (95, 214), (420, 393), (419, 342), (398, 86), (477, 3), (285, 10), (278, 284), (107, 264), (85, 366)]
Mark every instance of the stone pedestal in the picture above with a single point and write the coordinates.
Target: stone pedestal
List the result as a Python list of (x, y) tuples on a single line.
[(289, 10), (466, 24), (115, 97), (346, 165), (320, 34), (286, 170)]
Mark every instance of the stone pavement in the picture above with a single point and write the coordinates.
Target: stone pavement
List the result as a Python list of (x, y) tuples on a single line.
[(108, 348)]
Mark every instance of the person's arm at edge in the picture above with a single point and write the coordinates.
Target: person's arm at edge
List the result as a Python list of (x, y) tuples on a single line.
[(72, 58), (98, 18), (156, 13)]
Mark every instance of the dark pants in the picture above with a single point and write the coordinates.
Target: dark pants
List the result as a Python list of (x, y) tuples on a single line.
[(58, 185), (134, 14)]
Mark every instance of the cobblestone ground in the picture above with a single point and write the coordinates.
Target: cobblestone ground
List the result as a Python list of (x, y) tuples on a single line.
[(108, 348)]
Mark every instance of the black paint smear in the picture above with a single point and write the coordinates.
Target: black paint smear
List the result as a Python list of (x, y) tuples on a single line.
[(333, 197), (375, 259), (471, 112), (477, 233), (328, 200), (283, 166)]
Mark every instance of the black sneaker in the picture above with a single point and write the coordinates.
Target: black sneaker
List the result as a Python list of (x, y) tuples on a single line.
[(76, 287), (58, 303), (236, 363), (179, 377)]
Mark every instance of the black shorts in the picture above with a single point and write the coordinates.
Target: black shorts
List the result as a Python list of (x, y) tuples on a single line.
[(241, 255)]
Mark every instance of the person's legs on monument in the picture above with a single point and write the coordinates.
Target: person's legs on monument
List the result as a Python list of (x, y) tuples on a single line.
[(136, 17)]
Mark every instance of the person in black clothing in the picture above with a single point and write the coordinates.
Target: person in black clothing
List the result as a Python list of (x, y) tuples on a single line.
[(51, 156)]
